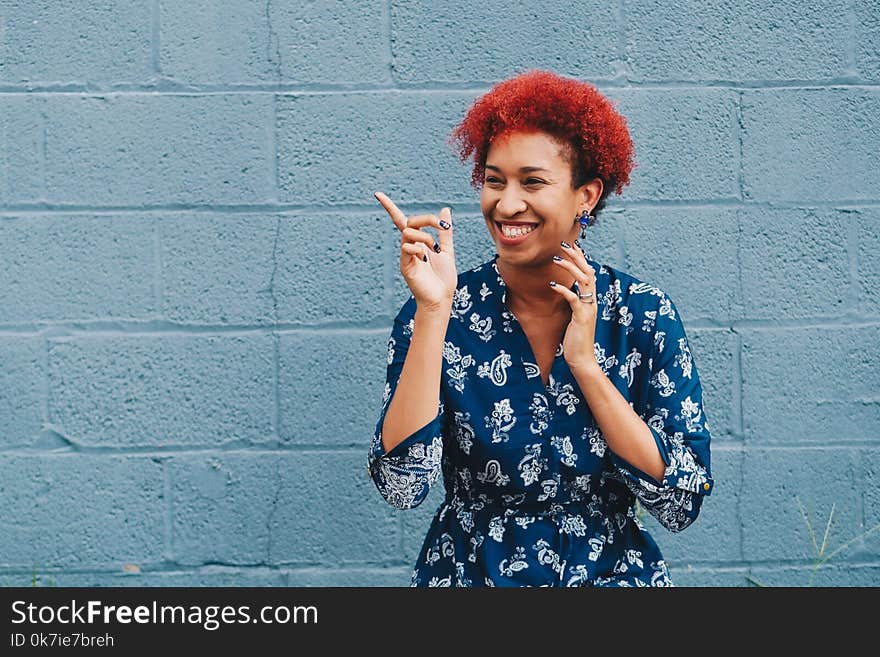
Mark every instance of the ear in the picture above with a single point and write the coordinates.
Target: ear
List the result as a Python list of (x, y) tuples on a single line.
[(590, 193)]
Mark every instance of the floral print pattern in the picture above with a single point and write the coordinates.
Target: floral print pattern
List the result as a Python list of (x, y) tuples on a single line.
[(534, 497)]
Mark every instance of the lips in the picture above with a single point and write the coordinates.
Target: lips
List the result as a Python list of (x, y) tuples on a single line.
[(514, 239)]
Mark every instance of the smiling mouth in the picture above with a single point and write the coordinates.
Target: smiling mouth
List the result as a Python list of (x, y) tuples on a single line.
[(515, 232)]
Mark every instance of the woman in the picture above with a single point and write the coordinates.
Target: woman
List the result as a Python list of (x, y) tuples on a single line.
[(552, 391)]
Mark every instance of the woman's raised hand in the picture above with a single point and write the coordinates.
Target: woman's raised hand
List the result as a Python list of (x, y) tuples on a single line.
[(428, 266)]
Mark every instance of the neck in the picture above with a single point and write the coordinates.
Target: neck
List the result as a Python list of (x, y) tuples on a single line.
[(529, 292)]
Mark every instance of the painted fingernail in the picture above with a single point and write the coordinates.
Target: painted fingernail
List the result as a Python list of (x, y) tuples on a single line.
[(557, 258), (444, 224), (552, 283), (578, 244), (425, 258), (565, 245), (436, 248)]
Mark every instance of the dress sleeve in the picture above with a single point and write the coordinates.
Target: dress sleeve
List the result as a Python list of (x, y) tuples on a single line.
[(674, 413), (405, 474)]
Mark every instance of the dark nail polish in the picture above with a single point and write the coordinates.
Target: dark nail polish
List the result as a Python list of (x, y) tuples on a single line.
[(577, 244), (565, 245), (425, 258), (436, 247), (444, 224), (557, 258), (552, 283)]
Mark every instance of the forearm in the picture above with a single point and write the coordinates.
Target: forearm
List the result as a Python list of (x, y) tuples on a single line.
[(626, 434), (416, 397)]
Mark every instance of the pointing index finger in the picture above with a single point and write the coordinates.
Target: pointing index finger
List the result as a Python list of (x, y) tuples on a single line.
[(394, 212)]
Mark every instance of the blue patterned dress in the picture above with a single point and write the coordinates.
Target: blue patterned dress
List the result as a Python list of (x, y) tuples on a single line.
[(534, 497)]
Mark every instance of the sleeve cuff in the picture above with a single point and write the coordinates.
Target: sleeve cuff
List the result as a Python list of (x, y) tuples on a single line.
[(693, 479), (424, 435), (661, 445)]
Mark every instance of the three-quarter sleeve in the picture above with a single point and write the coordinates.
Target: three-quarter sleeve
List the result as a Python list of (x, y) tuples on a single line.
[(405, 474), (674, 413)]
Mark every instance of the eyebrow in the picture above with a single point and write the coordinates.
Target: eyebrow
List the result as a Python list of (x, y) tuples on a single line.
[(521, 170)]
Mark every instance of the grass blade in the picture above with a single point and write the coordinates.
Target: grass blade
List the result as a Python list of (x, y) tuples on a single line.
[(827, 528), (809, 524)]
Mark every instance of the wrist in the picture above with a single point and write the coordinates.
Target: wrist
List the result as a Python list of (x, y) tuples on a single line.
[(587, 370), (433, 311)]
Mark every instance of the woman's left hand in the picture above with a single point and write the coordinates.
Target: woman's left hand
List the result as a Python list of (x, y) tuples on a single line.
[(580, 336)]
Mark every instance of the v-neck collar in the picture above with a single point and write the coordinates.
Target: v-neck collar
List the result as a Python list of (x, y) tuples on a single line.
[(497, 289)]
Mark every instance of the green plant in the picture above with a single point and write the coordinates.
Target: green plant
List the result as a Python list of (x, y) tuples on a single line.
[(821, 556), (38, 580)]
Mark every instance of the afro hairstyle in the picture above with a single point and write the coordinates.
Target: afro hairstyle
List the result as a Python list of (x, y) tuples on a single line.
[(574, 112)]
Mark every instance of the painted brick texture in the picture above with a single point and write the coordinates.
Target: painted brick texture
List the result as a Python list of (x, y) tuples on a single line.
[(197, 285)]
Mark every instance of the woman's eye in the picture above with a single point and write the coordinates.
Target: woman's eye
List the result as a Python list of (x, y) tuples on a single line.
[(530, 181)]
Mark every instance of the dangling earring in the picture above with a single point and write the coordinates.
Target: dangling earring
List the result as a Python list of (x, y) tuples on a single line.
[(586, 220)]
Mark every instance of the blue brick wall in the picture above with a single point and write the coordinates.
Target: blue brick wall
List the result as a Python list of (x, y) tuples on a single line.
[(196, 284)]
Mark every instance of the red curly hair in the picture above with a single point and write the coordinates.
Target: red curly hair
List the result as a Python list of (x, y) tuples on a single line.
[(574, 112)]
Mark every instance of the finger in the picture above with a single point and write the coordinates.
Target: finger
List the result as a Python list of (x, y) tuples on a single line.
[(567, 294), (396, 214), (573, 299), (423, 221), (581, 248), (446, 242), (577, 256), (416, 235), (417, 250), (586, 279)]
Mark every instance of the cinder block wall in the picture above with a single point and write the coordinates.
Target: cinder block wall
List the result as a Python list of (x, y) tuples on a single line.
[(196, 284)]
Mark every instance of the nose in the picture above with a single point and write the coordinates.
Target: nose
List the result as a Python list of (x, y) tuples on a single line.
[(510, 203)]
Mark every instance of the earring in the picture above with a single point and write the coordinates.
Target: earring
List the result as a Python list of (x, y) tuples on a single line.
[(586, 220)]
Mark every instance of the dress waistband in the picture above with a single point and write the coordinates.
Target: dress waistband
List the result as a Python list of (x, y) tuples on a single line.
[(531, 507)]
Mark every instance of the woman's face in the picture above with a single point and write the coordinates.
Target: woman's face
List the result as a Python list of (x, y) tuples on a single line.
[(527, 199)]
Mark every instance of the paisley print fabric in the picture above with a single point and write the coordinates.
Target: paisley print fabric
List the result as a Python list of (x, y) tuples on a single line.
[(534, 496)]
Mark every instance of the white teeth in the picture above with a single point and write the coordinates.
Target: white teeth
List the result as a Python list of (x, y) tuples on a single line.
[(511, 231)]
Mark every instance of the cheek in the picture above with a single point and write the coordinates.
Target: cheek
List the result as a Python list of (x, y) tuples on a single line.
[(486, 202), (559, 207)]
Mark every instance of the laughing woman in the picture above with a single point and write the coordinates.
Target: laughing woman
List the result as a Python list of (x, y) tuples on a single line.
[(551, 391)]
